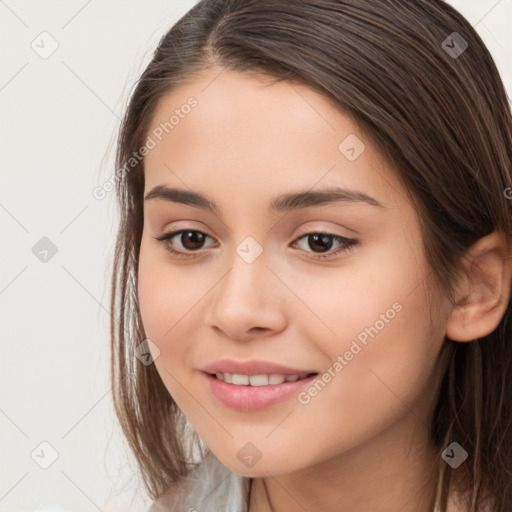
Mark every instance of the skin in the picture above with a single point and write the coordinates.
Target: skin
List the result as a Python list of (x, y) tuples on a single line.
[(362, 443)]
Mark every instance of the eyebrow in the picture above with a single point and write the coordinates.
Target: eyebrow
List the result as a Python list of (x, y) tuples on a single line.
[(281, 203)]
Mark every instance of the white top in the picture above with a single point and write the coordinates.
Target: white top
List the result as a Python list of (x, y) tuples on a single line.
[(209, 487)]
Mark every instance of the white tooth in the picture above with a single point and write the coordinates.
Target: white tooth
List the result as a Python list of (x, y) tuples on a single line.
[(275, 379), (240, 380), (258, 380)]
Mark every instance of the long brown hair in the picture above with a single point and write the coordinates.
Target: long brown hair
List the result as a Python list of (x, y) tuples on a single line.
[(443, 121)]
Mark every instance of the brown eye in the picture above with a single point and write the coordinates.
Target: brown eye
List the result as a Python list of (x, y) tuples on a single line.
[(191, 240), (323, 242), (320, 241)]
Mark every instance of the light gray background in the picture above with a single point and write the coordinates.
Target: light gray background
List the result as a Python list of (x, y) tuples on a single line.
[(59, 117)]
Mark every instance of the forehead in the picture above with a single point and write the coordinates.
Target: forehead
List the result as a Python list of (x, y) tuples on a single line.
[(258, 135)]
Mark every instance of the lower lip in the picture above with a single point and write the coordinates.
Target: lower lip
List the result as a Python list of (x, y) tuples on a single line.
[(253, 398)]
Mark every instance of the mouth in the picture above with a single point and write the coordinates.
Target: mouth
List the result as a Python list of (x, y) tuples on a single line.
[(255, 392), (271, 379)]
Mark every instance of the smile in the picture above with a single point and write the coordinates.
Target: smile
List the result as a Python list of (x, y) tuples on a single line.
[(265, 390)]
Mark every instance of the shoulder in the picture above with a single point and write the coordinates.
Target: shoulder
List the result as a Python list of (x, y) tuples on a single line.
[(209, 487)]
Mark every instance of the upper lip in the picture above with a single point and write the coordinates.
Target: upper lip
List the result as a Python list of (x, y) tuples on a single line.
[(252, 367)]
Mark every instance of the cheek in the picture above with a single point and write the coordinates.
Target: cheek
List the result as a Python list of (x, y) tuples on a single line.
[(161, 309), (377, 382), (164, 301), (165, 293), (170, 301), (380, 297), (392, 351), (383, 350)]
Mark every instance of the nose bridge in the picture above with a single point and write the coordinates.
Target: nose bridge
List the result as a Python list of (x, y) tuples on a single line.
[(248, 273), (243, 297)]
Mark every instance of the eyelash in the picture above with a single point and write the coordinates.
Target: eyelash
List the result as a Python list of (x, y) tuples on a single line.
[(349, 243)]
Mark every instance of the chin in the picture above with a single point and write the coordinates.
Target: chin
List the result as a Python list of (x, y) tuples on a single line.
[(262, 468)]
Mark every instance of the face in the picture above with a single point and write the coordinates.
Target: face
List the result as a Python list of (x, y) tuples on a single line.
[(331, 285)]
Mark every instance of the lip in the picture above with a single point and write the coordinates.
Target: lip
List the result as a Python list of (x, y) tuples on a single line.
[(253, 398), (252, 367)]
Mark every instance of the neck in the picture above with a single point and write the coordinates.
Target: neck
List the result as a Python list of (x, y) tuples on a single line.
[(389, 472)]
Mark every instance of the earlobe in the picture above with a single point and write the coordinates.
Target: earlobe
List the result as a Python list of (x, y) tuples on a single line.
[(484, 290)]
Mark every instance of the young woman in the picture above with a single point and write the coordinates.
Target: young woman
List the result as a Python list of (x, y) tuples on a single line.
[(313, 265)]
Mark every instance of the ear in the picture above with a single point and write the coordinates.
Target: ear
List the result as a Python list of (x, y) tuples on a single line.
[(484, 290)]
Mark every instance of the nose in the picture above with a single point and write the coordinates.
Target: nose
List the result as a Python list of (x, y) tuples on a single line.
[(248, 301)]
